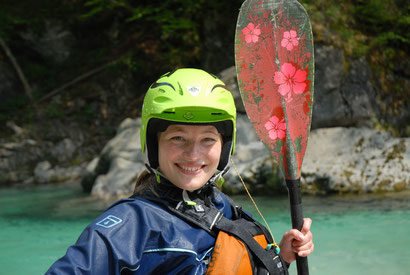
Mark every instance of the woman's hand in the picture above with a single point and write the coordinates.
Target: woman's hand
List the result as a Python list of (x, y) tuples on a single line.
[(295, 241)]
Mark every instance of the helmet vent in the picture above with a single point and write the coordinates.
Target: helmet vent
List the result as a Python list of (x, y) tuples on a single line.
[(162, 99), (216, 114)]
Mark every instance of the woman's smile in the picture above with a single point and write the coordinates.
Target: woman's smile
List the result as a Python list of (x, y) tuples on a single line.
[(189, 155), (190, 169)]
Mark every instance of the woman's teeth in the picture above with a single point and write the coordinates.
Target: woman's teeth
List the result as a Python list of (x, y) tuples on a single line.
[(191, 169)]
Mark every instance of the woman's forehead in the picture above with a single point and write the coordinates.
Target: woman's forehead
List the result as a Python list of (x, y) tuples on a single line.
[(190, 128)]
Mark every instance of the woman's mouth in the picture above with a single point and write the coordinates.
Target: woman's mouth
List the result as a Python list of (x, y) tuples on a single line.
[(190, 169)]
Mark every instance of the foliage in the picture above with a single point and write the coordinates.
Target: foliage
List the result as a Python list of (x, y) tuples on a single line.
[(366, 24), (375, 29), (151, 37), (170, 32)]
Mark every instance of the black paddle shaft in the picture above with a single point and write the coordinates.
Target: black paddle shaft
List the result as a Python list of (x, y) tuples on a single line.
[(295, 199)]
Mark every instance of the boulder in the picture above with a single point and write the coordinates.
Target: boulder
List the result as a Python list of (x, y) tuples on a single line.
[(356, 160), (119, 163)]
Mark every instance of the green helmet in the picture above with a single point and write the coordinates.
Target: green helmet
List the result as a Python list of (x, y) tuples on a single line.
[(187, 96)]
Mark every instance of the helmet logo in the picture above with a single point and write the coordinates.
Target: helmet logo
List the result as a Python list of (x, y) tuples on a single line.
[(194, 90), (188, 115)]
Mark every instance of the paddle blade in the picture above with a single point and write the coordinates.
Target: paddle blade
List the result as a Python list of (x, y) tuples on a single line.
[(275, 66)]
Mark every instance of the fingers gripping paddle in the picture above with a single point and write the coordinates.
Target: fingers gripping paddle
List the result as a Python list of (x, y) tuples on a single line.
[(275, 65)]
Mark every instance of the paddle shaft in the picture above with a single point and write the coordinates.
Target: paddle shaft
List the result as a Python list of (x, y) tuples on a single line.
[(296, 212)]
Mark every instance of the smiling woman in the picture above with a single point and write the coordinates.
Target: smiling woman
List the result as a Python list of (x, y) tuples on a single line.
[(177, 218)]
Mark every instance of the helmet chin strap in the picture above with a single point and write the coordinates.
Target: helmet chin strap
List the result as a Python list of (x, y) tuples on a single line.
[(154, 171), (217, 178)]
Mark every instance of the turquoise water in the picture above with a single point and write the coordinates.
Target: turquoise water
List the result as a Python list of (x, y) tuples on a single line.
[(353, 235)]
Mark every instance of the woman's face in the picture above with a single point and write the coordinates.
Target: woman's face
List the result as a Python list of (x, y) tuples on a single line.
[(189, 155)]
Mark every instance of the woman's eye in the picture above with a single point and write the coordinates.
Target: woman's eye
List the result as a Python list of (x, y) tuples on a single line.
[(177, 139), (209, 140)]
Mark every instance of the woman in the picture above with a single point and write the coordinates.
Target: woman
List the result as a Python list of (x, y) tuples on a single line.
[(177, 220)]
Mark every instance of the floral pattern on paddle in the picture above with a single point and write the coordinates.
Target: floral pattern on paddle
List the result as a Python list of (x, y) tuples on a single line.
[(251, 33), (274, 63)]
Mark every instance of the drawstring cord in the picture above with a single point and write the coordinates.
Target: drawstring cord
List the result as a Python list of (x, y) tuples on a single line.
[(219, 179), (274, 244)]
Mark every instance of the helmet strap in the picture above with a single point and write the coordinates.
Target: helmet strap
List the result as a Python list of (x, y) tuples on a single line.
[(157, 173), (217, 178)]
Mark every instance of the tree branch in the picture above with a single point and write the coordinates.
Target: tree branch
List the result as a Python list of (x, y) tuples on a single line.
[(74, 81), (19, 71)]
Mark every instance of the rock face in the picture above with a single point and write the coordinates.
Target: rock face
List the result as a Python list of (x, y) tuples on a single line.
[(123, 160), (337, 160), (340, 98), (26, 159), (355, 160)]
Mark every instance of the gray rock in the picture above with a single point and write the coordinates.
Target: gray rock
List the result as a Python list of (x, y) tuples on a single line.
[(124, 159), (359, 93), (45, 173), (64, 150), (329, 105), (92, 165), (249, 151), (119, 181), (54, 42), (126, 142), (355, 160), (342, 99), (19, 158)]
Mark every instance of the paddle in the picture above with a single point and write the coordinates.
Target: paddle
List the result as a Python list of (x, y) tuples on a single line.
[(275, 65)]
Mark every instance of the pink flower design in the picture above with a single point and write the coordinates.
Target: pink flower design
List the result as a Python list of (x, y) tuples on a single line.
[(251, 33), (276, 128), (290, 40), (290, 80)]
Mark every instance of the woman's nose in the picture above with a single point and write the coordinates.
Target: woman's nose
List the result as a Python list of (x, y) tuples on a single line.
[(192, 150)]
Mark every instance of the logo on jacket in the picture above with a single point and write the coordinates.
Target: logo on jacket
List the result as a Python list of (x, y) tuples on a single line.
[(109, 221)]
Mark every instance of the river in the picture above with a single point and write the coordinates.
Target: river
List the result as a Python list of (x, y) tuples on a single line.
[(367, 234)]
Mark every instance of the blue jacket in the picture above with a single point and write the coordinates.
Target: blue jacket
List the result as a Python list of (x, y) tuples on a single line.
[(137, 236)]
